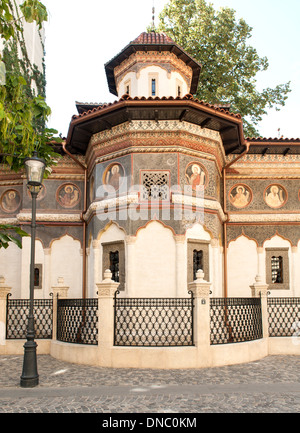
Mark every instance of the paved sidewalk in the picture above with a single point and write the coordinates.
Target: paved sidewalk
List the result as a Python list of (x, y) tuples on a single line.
[(271, 385)]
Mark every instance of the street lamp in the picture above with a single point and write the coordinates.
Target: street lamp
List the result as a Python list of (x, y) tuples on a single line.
[(35, 168)]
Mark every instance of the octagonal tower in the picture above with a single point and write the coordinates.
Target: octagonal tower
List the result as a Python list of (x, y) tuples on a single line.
[(154, 160)]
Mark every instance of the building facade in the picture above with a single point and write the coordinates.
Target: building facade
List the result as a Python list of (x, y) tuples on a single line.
[(156, 186)]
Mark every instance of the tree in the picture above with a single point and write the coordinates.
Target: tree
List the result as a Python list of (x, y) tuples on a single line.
[(23, 110), (219, 41)]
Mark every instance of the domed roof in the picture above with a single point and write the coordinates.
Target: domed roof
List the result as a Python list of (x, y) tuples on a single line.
[(152, 41)]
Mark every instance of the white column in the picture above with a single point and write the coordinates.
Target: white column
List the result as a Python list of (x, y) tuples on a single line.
[(97, 263), (130, 266), (181, 266), (259, 289), (261, 263), (215, 267), (294, 272), (47, 272), (201, 292), (59, 292), (106, 291)]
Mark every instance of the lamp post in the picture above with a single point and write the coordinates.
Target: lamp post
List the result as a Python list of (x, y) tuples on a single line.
[(35, 168)]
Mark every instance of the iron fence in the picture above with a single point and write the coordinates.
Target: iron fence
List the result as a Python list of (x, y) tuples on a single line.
[(284, 317), (17, 311), (153, 321), (234, 320), (77, 321)]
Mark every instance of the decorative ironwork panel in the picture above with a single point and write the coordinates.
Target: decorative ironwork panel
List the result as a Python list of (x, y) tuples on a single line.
[(77, 321), (17, 311), (153, 322), (284, 316), (234, 320)]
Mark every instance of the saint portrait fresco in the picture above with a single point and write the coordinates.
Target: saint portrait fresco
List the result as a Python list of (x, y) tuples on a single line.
[(196, 176), (68, 195), (10, 201), (240, 196), (275, 196), (114, 175)]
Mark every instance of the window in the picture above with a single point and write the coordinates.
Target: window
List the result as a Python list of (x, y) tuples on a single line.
[(153, 87), (155, 185), (114, 259), (127, 87), (277, 268), (197, 262), (37, 276), (114, 265), (153, 84), (179, 91), (197, 258)]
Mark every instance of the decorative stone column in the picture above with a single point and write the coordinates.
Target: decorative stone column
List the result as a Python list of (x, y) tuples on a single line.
[(181, 265), (96, 245), (294, 256), (260, 289), (260, 261), (106, 292), (47, 270), (59, 292), (130, 265), (4, 291), (201, 292), (216, 271)]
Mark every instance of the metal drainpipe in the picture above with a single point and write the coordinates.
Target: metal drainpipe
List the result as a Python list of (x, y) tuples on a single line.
[(247, 144), (84, 168)]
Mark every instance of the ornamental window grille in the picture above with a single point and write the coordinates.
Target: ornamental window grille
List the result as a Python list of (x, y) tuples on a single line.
[(155, 185), (277, 269), (197, 262), (114, 265)]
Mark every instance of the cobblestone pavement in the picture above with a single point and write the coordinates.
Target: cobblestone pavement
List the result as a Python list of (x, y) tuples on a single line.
[(270, 385)]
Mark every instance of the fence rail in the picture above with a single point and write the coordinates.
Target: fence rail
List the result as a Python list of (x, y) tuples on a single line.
[(153, 321), (77, 321), (234, 320), (284, 316), (17, 311)]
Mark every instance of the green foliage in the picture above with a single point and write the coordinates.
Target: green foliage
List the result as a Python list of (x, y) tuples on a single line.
[(6, 236), (23, 109), (219, 41)]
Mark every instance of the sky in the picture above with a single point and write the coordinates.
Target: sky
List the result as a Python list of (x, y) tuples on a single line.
[(81, 36)]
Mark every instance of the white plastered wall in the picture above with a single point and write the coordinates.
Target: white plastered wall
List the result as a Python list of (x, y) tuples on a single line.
[(66, 262), (140, 83), (10, 268), (155, 262), (25, 268), (242, 266)]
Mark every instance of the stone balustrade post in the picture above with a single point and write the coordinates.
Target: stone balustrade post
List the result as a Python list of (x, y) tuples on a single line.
[(106, 293), (59, 292), (4, 291), (260, 289), (201, 292)]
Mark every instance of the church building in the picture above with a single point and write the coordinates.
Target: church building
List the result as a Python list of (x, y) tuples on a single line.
[(156, 186)]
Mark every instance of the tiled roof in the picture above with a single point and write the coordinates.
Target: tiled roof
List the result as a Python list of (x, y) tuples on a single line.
[(164, 98), (270, 139), (153, 38)]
